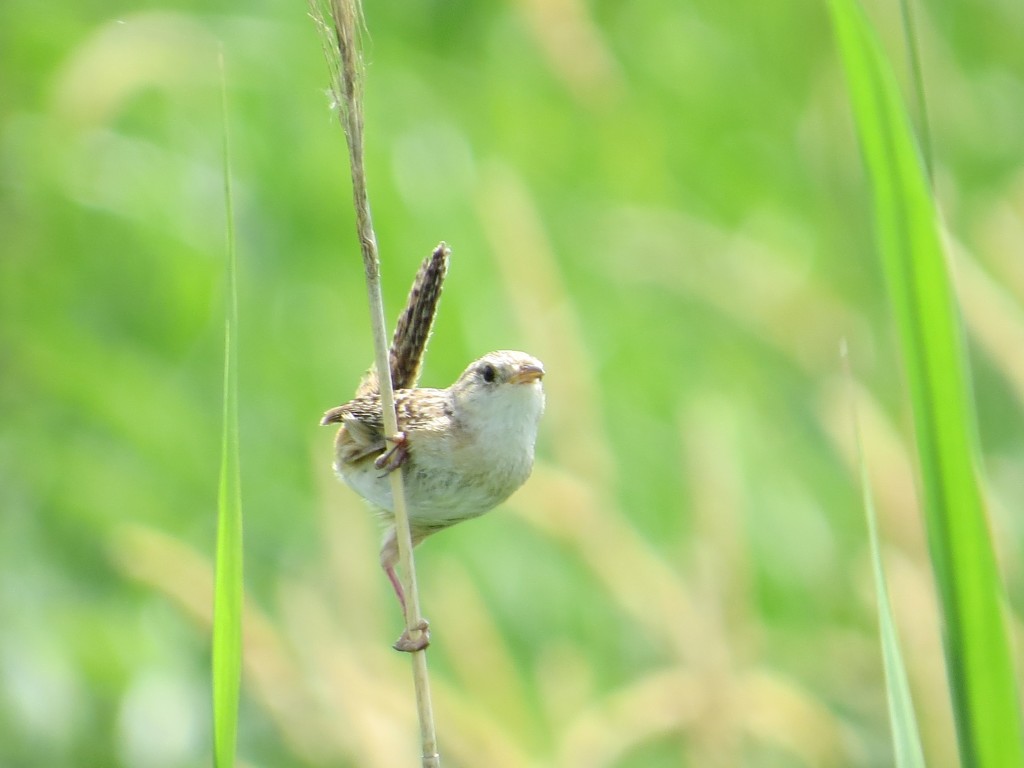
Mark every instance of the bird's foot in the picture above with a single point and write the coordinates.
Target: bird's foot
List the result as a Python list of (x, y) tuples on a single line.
[(415, 639), (394, 456)]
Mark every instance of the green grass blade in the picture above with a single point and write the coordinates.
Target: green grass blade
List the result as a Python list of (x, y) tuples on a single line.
[(227, 605), (978, 657), (917, 79), (905, 737)]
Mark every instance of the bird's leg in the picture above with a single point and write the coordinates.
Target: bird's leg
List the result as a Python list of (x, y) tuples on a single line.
[(397, 584), (406, 643), (394, 456)]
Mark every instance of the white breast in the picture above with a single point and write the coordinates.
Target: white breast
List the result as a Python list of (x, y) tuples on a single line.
[(464, 471)]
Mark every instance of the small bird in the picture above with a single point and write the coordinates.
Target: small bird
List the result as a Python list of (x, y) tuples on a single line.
[(464, 449)]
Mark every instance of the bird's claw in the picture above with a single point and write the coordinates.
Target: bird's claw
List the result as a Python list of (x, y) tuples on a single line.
[(409, 644), (395, 456)]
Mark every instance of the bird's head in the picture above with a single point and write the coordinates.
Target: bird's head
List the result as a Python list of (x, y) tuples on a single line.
[(504, 388)]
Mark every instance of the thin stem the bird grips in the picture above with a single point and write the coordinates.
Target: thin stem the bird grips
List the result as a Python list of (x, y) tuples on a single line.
[(339, 22)]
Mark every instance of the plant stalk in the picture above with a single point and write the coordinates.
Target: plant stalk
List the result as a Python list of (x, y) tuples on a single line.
[(341, 43)]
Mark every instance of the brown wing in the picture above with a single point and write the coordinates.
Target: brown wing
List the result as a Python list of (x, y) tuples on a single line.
[(362, 419), (366, 410), (362, 430)]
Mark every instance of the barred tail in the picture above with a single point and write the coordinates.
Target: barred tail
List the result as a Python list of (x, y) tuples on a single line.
[(414, 325)]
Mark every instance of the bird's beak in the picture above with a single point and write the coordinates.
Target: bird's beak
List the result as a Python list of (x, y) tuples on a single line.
[(527, 373)]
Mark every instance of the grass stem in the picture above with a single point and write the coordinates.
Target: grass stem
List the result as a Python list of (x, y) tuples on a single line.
[(226, 669), (341, 44)]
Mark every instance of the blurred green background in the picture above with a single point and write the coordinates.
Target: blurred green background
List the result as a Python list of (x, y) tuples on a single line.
[(661, 200)]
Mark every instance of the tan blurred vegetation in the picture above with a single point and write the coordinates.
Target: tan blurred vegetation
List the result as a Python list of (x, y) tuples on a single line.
[(662, 201)]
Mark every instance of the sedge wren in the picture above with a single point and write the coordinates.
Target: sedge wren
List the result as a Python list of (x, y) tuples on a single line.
[(463, 450)]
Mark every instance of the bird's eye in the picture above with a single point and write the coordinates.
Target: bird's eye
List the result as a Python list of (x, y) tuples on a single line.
[(488, 373)]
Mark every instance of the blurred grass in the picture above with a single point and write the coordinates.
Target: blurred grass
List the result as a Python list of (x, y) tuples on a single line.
[(228, 595), (982, 677), (663, 202), (906, 735)]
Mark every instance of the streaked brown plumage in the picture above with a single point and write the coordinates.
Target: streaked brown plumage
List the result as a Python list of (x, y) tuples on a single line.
[(414, 325), (463, 450), (467, 447)]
